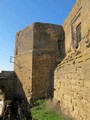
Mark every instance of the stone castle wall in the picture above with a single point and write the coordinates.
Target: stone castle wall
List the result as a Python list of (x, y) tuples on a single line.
[(36, 52), (72, 76)]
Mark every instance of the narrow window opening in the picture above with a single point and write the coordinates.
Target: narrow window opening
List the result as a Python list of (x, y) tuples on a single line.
[(78, 34), (16, 51), (60, 47)]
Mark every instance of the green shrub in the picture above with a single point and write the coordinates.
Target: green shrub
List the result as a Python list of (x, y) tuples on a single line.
[(41, 111)]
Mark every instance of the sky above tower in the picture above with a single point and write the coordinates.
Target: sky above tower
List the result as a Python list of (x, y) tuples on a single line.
[(18, 14)]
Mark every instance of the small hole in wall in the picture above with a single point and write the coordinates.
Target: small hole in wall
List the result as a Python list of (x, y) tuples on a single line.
[(88, 46), (58, 104), (73, 61), (72, 108), (16, 51), (54, 89), (18, 34), (60, 47), (70, 100), (79, 82)]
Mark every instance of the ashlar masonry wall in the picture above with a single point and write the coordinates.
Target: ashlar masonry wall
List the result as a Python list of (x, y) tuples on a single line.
[(72, 76)]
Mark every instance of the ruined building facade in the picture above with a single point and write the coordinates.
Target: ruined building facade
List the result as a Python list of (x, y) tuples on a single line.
[(53, 60)]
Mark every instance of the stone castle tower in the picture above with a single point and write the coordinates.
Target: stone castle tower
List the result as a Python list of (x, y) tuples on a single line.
[(53, 60), (37, 48)]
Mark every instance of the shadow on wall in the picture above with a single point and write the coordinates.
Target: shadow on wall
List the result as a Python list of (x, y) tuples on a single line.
[(61, 56), (16, 104), (22, 100), (8, 84)]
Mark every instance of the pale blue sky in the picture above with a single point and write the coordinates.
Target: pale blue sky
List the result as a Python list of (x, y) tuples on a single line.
[(17, 14)]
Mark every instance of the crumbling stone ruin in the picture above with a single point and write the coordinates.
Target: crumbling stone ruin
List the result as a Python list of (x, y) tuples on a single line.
[(54, 61)]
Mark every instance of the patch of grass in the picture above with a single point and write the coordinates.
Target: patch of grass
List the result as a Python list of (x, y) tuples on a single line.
[(41, 112)]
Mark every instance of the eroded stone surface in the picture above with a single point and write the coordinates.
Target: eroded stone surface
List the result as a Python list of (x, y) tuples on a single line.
[(72, 76)]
